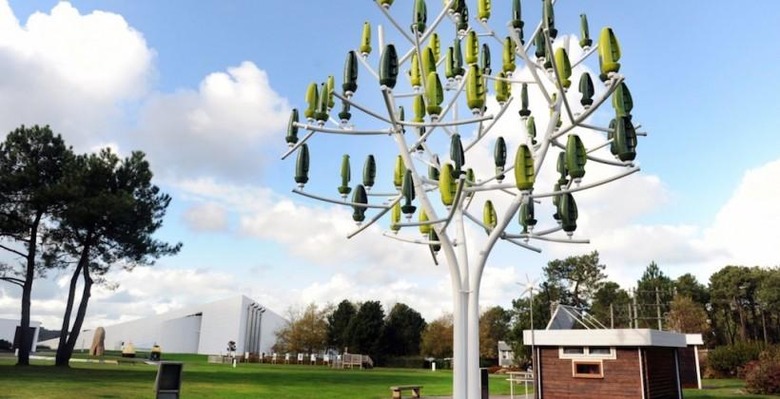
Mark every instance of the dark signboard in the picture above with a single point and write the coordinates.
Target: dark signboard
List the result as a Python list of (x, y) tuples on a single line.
[(168, 382), (18, 337)]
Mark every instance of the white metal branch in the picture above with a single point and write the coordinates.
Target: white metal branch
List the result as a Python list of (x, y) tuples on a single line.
[(375, 218), (587, 186), (362, 108), (341, 131), (337, 202), (297, 145)]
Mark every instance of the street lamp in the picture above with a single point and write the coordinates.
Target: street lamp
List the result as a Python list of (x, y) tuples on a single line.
[(423, 118)]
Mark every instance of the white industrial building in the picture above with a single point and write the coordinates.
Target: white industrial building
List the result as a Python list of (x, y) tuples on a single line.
[(202, 329), (8, 329)]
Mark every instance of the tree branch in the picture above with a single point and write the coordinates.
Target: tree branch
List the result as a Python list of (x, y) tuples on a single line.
[(13, 251), (13, 280)]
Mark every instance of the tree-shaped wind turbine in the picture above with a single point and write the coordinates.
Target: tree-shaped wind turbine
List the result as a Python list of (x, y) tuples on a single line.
[(437, 68)]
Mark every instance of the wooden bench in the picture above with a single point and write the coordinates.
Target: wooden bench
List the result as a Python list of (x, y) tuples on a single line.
[(400, 388)]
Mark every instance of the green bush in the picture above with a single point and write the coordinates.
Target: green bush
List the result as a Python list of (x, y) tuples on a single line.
[(727, 361), (763, 376)]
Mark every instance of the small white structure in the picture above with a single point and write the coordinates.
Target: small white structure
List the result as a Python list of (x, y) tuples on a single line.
[(506, 357), (8, 331), (202, 329)]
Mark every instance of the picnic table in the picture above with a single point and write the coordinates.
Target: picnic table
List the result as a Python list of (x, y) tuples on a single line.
[(398, 389)]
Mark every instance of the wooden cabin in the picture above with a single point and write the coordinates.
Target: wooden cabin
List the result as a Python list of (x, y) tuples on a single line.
[(607, 363)]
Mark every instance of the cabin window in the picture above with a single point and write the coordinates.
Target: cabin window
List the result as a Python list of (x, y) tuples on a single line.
[(586, 352), (573, 350), (599, 350), (587, 369)]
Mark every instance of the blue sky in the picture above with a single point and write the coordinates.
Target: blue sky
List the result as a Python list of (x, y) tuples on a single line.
[(205, 89)]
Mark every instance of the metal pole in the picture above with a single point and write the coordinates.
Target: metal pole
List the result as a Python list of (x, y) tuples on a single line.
[(611, 316), (636, 311), (658, 309), (534, 369)]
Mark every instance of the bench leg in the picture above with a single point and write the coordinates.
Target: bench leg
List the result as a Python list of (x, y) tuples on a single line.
[(397, 394), (415, 393)]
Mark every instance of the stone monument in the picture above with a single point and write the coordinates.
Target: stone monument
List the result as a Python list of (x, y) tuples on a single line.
[(98, 347)]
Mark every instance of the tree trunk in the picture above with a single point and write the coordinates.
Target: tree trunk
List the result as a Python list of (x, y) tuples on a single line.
[(63, 354), (80, 314), (577, 303), (24, 325), (742, 326), (728, 322), (25, 339), (66, 318)]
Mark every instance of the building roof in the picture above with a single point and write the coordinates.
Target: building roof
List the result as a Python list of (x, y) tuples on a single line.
[(606, 337), (694, 339)]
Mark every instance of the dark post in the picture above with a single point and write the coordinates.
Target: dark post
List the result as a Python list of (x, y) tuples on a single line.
[(484, 379), (658, 309), (168, 382)]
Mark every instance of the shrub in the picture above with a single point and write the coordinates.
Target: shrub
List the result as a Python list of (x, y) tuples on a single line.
[(5, 345), (726, 361), (763, 376), (494, 369)]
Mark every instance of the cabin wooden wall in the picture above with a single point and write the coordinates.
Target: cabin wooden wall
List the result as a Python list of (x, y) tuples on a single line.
[(688, 376), (660, 373), (621, 377)]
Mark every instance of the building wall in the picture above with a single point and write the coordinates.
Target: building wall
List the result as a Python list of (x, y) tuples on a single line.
[(227, 320), (661, 377), (8, 331), (203, 329), (181, 335), (221, 323), (621, 377)]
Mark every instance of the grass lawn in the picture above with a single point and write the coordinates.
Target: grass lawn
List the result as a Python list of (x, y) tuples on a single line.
[(726, 388), (203, 380)]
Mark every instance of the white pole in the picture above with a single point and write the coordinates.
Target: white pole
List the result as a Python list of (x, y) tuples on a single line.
[(459, 363), (380, 37), (698, 369), (469, 324), (534, 369)]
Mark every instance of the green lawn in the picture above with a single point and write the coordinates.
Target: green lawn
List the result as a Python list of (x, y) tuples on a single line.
[(726, 388), (203, 380)]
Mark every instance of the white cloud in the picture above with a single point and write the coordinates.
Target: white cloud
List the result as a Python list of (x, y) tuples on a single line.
[(222, 129), (746, 226), (317, 235), (209, 217), (70, 71)]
